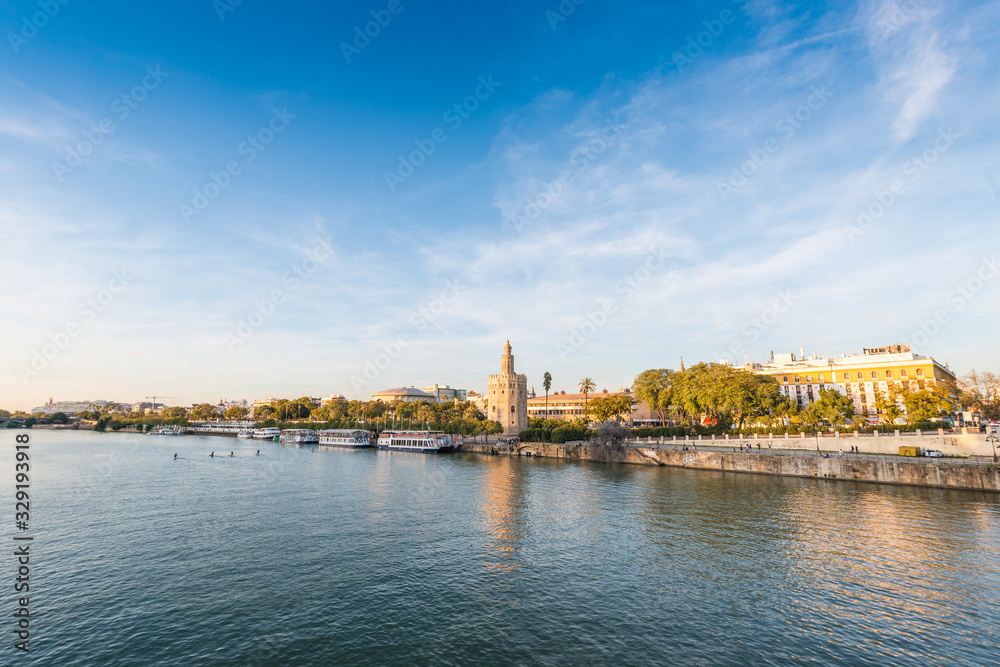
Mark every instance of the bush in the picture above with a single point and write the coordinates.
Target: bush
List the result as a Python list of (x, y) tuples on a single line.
[(608, 444), (535, 435)]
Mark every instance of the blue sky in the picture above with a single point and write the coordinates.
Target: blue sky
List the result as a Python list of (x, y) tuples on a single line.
[(214, 200)]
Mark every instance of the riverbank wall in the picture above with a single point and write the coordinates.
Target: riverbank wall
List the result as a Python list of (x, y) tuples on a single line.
[(919, 472), (947, 442)]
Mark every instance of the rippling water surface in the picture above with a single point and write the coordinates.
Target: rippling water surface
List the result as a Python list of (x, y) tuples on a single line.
[(364, 557)]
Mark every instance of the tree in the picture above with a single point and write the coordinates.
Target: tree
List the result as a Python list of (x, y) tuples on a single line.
[(887, 405), (706, 389), (236, 413), (606, 408), (472, 413), (981, 391), (609, 442), (59, 418), (493, 428), (753, 397), (587, 386), (425, 413), (936, 400), (204, 412), (546, 385), (832, 406), (175, 412), (655, 388)]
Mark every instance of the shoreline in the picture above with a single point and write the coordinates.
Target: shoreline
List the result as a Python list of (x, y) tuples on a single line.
[(898, 471)]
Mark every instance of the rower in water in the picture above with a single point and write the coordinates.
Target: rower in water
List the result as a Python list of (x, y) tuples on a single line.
[(231, 454), (212, 455), (175, 457)]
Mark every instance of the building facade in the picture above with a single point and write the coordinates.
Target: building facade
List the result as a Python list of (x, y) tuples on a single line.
[(571, 407), (860, 377), (404, 395), (508, 396)]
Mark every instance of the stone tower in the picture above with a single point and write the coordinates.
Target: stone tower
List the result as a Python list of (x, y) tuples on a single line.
[(508, 397)]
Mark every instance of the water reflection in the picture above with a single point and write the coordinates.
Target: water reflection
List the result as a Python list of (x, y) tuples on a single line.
[(502, 517)]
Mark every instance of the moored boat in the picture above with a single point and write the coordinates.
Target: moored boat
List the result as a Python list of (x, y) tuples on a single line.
[(415, 441), (245, 434), (344, 437), (299, 436), (269, 433), (166, 430)]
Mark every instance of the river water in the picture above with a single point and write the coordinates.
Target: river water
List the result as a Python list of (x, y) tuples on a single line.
[(298, 557)]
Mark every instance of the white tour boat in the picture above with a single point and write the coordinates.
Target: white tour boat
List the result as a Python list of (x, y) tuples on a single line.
[(166, 430), (344, 437), (245, 434), (269, 433), (415, 441), (299, 436)]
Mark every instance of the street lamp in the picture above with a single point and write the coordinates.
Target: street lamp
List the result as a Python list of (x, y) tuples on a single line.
[(992, 439)]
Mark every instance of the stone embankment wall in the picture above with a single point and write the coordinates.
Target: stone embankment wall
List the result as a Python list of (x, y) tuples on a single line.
[(919, 472), (950, 444)]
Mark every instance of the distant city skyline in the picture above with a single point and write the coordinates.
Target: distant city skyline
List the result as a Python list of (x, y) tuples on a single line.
[(247, 200)]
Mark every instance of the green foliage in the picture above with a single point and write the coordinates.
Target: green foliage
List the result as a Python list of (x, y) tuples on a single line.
[(606, 408), (204, 412), (236, 413), (831, 406), (535, 435), (655, 388), (934, 401), (887, 405), (59, 418), (569, 434)]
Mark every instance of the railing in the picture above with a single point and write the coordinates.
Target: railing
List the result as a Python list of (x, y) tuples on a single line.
[(758, 447)]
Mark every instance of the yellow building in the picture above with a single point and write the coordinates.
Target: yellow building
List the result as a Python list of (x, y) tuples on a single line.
[(508, 396), (856, 376)]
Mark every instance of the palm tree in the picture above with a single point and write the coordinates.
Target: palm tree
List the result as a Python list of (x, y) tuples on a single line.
[(587, 385), (547, 384)]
